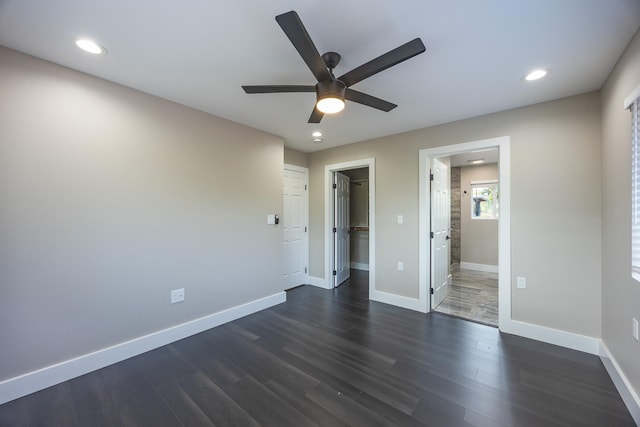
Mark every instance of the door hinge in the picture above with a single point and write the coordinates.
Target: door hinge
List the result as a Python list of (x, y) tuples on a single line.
[(431, 291), (305, 187), (430, 177), (335, 186), (335, 273), (305, 270), (431, 234), (335, 230), (305, 229)]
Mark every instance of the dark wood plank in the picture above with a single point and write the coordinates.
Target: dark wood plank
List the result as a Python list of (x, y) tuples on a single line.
[(211, 400), (265, 406), (346, 409)]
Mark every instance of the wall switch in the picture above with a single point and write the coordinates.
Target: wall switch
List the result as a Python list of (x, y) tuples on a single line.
[(522, 283), (177, 295), (271, 219), (635, 329), (400, 219), (400, 266)]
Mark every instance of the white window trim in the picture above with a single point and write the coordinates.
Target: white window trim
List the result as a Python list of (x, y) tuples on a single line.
[(488, 181), (485, 183)]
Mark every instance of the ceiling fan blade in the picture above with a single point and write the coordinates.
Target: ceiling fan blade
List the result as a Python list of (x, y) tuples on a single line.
[(315, 116), (368, 100), (294, 29), (278, 89), (384, 61)]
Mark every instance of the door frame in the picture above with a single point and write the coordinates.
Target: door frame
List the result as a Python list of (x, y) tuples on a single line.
[(328, 218), (504, 221), (305, 217)]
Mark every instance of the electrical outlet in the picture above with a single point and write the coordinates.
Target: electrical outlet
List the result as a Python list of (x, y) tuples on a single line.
[(177, 295), (522, 283), (400, 266), (635, 329)]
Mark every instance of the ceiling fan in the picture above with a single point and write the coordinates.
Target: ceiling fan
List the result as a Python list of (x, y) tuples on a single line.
[(331, 92)]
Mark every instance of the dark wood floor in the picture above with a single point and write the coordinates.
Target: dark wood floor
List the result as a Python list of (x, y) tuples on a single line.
[(333, 358)]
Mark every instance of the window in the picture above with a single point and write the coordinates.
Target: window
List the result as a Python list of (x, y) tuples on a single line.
[(484, 200), (635, 191)]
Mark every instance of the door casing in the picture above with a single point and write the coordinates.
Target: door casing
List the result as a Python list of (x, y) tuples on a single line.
[(504, 222), (328, 218)]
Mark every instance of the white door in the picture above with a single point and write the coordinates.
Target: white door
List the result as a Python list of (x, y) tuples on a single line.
[(440, 214), (294, 228), (341, 241)]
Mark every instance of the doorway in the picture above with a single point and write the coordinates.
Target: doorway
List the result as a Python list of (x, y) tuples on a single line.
[(331, 251), (358, 218), (503, 222), (471, 265)]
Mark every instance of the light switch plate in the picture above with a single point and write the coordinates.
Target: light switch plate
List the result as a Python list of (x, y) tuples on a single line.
[(400, 219), (522, 283), (177, 295), (271, 219)]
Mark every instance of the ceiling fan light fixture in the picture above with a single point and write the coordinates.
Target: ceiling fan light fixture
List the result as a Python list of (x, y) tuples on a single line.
[(330, 95), (330, 105)]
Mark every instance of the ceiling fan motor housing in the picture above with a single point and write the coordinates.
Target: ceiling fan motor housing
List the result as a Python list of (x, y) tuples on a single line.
[(330, 89)]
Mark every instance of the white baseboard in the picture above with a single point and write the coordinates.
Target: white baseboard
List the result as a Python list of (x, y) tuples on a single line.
[(31, 382), (360, 266), (399, 301), (628, 394), (552, 336), (321, 283), (478, 267)]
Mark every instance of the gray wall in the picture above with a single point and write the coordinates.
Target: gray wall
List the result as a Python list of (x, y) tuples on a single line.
[(456, 194), (557, 250), (479, 237), (620, 293), (296, 158), (110, 198)]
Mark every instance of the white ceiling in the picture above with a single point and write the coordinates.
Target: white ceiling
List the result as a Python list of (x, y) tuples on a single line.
[(465, 159), (199, 53)]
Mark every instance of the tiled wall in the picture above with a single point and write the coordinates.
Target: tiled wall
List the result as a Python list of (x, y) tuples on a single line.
[(455, 218)]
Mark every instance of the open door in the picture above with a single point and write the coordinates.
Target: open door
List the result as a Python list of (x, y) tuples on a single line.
[(341, 240), (439, 233)]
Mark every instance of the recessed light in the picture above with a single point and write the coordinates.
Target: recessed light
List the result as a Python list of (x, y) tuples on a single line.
[(317, 140), (476, 162), (535, 75), (316, 134), (91, 47)]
